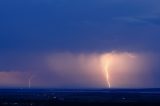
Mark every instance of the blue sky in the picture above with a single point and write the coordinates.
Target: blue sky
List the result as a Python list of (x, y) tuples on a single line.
[(30, 29)]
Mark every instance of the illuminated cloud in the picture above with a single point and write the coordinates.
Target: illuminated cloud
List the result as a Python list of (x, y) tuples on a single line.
[(77, 69), (124, 69), (82, 70), (13, 79)]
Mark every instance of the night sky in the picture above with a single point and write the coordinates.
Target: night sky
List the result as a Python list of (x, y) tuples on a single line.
[(34, 32)]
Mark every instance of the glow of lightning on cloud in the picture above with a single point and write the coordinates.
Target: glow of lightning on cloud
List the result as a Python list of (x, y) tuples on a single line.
[(110, 60)]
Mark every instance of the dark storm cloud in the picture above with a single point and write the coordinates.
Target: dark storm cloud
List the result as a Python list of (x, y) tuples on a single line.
[(75, 25), (32, 29)]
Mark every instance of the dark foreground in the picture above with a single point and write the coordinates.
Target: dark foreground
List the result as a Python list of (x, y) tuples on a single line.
[(47, 97)]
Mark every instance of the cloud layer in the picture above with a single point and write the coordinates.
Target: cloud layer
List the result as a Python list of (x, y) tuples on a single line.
[(84, 70), (60, 41)]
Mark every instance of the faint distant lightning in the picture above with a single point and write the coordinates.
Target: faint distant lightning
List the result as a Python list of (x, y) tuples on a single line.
[(132, 56), (29, 81)]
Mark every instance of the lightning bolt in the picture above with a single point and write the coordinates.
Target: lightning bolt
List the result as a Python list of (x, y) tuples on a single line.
[(108, 82), (29, 81), (107, 64), (111, 60), (107, 75)]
